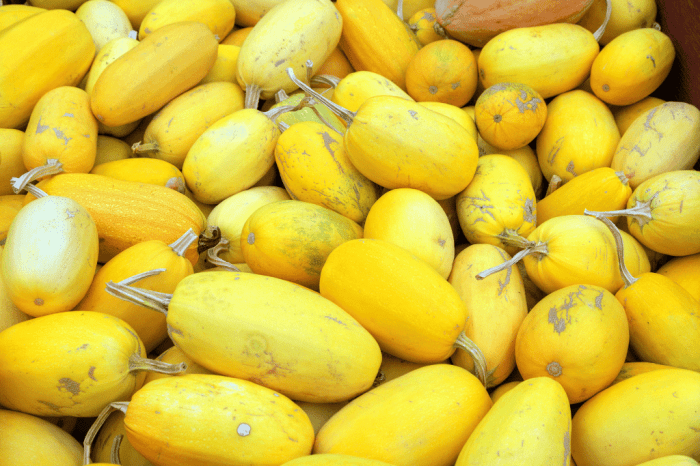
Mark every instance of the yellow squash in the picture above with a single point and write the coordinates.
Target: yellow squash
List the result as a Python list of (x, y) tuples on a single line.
[(530, 424), (642, 153), (432, 430), (11, 13), (499, 204), (580, 134), (422, 23), (231, 214), (577, 336), (630, 369), (11, 160), (287, 36), (175, 355), (497, 306), (292, 239), (103, 442), (50, 255), (162, 66), (231, 155), (307, 113), (375, 39), (632, 66), (625, 15), (110, 148), (330, 459), (456, 113), (45, 51), (552, 58), (352, 90), (141, 257), (218, 15), (233, 421), (625, 115), (27, 439), (225, 66), (9, 313), (136, 10), (314, 168), (645, 417), (105, 21), (127, 212), (415, 221), (70, 364), (144, 170), (274, 333), (107, 54), (685, 271), (249, 12)]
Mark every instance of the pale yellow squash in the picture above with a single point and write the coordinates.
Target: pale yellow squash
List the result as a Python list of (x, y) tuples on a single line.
[(456, 113), (10, 205), (625, 115), (9, 313), (105, 21), (625, 15), (525, 156), (136, 10), (105, 56), (330, 459), (225, 66)]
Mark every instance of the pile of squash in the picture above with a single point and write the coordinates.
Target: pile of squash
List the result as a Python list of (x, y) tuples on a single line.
[(352, 232)]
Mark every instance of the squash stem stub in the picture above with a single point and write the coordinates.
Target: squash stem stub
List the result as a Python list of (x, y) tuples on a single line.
[(140, 147), (146, 298), (97, 425), (624, 272), (252, 95), (466, 344), (214, 259), (209, 238), (601, 30), (184, 242), (137, 363)]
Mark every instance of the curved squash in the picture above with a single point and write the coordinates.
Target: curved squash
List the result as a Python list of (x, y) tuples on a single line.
[(225, 66), (11, 14), (42, 52), (162, 66)]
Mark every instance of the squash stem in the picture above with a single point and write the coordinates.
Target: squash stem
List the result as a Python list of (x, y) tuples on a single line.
[(601, 30), (146, 298), (343, 113), (252, 95), (466, 344), (137, 363), (34, 191), (114, 453), (140, 147), (437, 27), (399, 10), (554, 183), (510, 237), (184, 242), (97, 425), (214, 259), (619, 246), (531, 249), (51, 167), (641, 212), (325, 79), (209, 238), (280, 96), (276, 112)]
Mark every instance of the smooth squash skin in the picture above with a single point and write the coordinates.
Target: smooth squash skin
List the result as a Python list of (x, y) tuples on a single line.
[(625, 115), (45, 51), (432, 430), (162, 66), (630, 369), (12, 14), (233, 420), (454, 112), (412, 311), (315, 168), (105, 56), (401, 144), (27, 439), (9, 313), (358, 86), (292, 239), (624, 16), (685, 271), (105, 21), (218, 15), (530, 424), (671, 460), (144, 170), (68, 364), (645, 417), (552, 58), (11, 160), (274, 333), (50, 255), (331, 459)]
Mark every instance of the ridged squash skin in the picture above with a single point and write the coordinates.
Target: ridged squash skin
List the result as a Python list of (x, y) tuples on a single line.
[(580, 134), (401, 144), (664, 321), (218, 15), (127, 212), (632, 66), (286, 37), (141, 257), (497, 306), (233, 421), (50, 255), (498, 203), (231, 155), (231, 324), (47, 50), (61, 127), (162, 66), (578, 336), (530, 424), (231, 214), (68, 364), (292, 239), (432, 430), (599, 189), (143, 170), (358, 86), (105, 21), (28, 439), (411, 311), (375, 39), (475, 22), (552, 58), (670, 224), (664, 138), (645, 417), (315, 168)]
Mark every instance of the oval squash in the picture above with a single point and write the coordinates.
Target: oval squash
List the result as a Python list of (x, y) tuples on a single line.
[(218, 15), (105, 21)]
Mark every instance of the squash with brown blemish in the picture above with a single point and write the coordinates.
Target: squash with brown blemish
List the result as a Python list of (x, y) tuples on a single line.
[(577, 336)]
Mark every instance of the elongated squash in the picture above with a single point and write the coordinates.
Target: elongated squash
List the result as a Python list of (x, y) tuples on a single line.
[(11, 14), (330, 459), (161, 67), (685, 271), (127, 212), (551, 59), (504, 435), (358, 86), (433, 429), (218, 15), (630, 369), (43, 52), (645, 417), (288, 35), (136, 10), (110, 149), (144, 170), (105, 56), (105, 21)]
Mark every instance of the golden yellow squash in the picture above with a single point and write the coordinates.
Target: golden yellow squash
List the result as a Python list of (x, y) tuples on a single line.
[(352, 90), (218, 15)]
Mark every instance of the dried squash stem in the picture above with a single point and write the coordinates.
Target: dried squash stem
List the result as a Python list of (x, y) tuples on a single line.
[(601, 30), (343, 113), (466, 344), (97, 425), (214, 259), (146, 298), (624, 272), (137, 363), (180, 245), (114, 453), (140, 147), (51, 167), (532, 248), (252, 95)]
